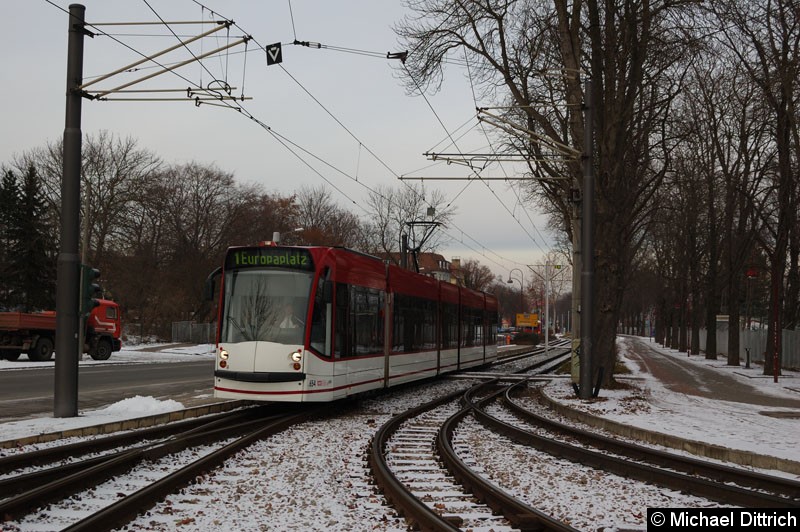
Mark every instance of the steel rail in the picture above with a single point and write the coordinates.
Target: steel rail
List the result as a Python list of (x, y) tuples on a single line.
[(56, 483), (416, 512), (53, 454), (719, 472), (711, 490), (123, 511), (518, 513), (29, 481)]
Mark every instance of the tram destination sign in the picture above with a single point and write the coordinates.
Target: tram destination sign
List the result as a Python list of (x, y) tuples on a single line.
[(269, 257)]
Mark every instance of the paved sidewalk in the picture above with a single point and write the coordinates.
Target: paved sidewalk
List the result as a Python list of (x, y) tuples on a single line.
[(714, 379)]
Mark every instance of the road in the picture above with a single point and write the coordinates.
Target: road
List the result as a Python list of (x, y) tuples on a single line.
[(29, 392)]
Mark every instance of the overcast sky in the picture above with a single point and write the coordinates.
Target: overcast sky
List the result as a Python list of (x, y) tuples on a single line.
[(364, 132)]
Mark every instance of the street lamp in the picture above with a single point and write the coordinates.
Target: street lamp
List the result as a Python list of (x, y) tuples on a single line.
[(521, 282), (547, 278)]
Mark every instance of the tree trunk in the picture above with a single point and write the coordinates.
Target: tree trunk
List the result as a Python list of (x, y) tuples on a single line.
[(712, 290), (773, 356), (736, 299)]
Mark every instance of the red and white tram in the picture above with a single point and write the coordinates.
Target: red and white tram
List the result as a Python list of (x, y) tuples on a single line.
[(320, 324)]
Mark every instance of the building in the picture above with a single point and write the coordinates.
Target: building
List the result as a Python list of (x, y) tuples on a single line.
[(433, 265)]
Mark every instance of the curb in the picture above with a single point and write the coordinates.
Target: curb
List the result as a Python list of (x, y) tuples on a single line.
[(706, 450), (126, 424)]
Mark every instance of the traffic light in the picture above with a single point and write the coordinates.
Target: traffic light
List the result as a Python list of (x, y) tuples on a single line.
[(89, 289)]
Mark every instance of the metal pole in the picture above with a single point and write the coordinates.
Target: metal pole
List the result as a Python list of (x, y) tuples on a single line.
[(404, 252), (65, 397), (587, 247), (776, 331), (546, 307), (521, 281), (82, 318)]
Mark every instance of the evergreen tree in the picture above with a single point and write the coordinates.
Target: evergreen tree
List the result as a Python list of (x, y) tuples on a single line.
[(32, 257), (9, 203)]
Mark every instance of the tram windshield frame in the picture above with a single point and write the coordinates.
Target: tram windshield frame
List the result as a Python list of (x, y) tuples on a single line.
[(265, 305)]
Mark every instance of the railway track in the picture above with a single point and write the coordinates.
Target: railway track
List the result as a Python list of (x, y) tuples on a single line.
[(416, 462), (715, 482), (180, 452), (532, 362), (404, 456), (86, 476), (31, 480)]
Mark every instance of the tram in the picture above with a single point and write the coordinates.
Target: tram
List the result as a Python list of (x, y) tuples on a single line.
[(323, 323)]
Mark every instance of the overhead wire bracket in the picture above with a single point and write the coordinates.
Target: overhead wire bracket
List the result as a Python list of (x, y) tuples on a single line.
[(402, 56), (514, 129), (192, 94), (308, 44)]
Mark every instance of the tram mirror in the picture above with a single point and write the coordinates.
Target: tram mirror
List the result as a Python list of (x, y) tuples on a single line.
[(327, 291), (210, 282)]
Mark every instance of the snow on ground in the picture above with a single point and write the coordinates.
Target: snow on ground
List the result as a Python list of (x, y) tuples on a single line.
[(135, 354), (268, 488), (649, 404), (585, 498), (130, 408)]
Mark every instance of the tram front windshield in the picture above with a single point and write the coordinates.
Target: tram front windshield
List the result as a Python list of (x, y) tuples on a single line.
[(268, 305)]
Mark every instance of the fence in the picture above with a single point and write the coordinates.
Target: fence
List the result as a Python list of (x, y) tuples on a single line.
[(756, 342), (193, 333)]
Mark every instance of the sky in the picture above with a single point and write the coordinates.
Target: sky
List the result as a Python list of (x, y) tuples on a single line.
[(344, 113), (251, 492)]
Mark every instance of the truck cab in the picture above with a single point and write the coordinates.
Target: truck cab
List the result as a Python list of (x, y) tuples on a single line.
[(103, 330)]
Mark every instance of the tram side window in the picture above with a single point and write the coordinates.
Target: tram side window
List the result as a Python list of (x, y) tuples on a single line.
[(359, 320), (471, 326), (492, 333), (405, 323), (319, 318), (428, 324), (399, 337), (366, 317), (449, 326), (343, 342), (414, 324), (464, 318)]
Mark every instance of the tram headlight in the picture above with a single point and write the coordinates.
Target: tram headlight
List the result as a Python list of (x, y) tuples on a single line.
[(296, 357), (223, 355)]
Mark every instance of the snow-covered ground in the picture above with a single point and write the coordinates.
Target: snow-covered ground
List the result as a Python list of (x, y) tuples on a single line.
[(137, 354), (126, 409), (650, 405), (312, 476)]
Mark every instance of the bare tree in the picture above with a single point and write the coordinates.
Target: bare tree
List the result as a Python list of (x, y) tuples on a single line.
[(324, 222), (508, 299), (766, 38), (633, 55), (737, 133), (175, 233), (257, 215), (393, 209), (113, 169), (476, 275)]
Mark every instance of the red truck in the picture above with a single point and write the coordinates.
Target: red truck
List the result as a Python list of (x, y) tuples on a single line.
[(34, 333)]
